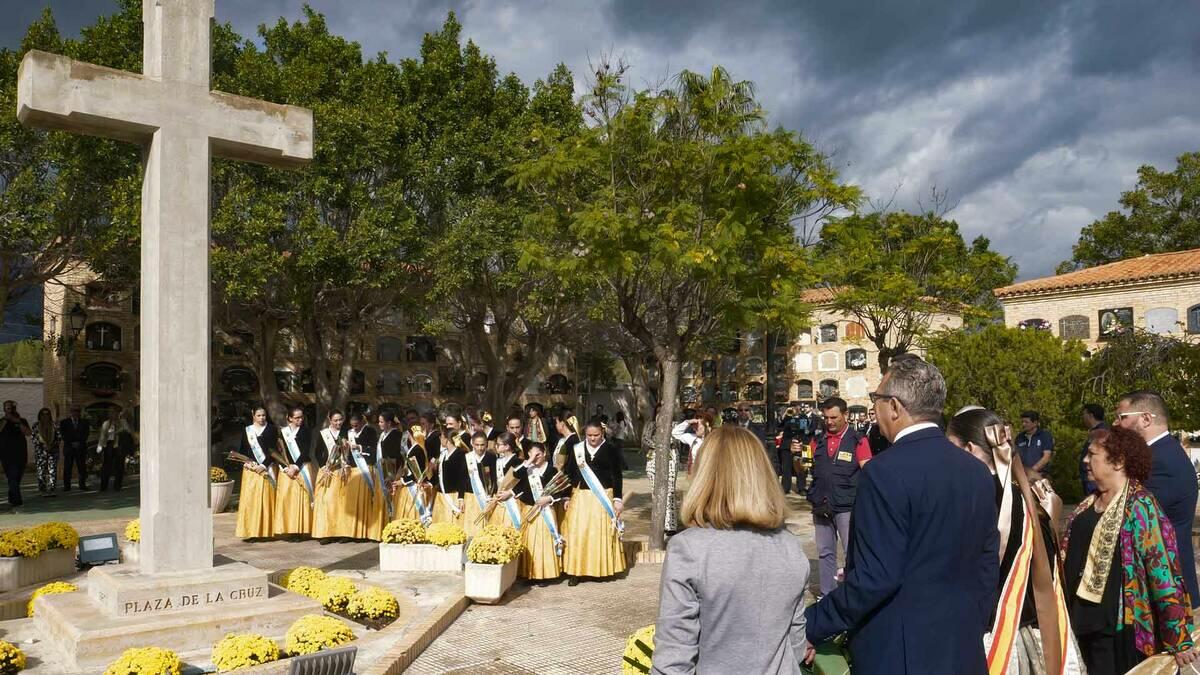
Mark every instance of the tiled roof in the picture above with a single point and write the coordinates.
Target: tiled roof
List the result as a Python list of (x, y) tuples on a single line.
[(1181, 264), (818, 296)]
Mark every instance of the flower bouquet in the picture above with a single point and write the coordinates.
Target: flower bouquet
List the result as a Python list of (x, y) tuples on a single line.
[(639, 652), (556, 486)]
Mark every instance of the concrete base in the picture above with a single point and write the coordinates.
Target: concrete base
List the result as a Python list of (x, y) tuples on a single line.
[(88, 639), (121, 590)]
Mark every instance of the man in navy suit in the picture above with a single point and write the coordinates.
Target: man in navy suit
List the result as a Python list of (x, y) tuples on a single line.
[(1172, 476), (923, 565)]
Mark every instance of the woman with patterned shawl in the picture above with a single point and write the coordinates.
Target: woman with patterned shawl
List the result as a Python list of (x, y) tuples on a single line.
[(1125, 593)]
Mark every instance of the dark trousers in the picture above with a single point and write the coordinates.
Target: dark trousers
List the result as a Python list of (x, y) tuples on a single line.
[(112, 465), (14, 469), (1108, 654), (786, 467), (74, 458)]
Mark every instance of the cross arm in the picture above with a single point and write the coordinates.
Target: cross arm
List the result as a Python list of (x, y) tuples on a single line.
[(257, 131), (55, 92)]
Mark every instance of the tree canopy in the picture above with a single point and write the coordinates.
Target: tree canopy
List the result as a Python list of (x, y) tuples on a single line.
[(1160, 214), (894, 270), (677, 205)]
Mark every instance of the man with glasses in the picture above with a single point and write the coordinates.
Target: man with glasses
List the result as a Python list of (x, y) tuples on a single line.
[(1172, 477), (923, 565), (837, 456)]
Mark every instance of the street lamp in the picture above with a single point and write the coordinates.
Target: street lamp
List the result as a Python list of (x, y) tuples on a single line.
[(76, 320)]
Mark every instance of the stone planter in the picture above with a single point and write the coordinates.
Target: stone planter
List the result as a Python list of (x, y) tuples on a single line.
[(130, 552), (420, 558), (489, 583), (220, 494), (18, 572)]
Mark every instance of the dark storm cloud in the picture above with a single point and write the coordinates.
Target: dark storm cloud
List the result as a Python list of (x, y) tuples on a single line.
[(1033, 114)]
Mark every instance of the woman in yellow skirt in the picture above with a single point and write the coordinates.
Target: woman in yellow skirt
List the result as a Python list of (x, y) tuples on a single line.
[(481, 483), (296, 483), (541, 555), (592, 527), (345, 500), (507, 461), (450, 447), (256, 503), (410, 493)]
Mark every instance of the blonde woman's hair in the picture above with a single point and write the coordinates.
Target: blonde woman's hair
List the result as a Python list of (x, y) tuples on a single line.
[(734, 485)]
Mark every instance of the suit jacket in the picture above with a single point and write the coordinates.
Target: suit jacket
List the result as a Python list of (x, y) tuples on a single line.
[(74, 436), (732, 601), (1173, 484), (923, 562)]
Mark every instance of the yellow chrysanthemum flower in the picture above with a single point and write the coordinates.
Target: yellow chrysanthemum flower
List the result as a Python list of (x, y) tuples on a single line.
[(236, 651), (404, 531), (313, 632), (49, 589), (145, 661), (446, 534)]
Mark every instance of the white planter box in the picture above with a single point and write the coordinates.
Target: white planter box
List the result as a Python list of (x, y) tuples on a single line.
[(18, 572), (220, 494), (420, 558), (130, 552), (489, 583)]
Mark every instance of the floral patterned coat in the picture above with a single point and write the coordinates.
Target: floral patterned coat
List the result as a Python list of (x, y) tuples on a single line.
[(1154, 601)]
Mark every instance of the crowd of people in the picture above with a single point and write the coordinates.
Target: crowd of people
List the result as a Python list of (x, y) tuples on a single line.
[(957, 557), (66, 443), (349, 478)]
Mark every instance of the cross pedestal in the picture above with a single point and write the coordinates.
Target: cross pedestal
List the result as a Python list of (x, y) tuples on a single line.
[(180, 124)]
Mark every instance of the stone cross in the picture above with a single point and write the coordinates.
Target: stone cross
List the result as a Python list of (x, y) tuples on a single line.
[(170, 111)]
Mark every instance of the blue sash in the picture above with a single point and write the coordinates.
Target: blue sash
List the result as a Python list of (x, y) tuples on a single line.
[(294, 451), (510, 505), (361, 463), (422, 512), (535, 486), (597, 488), (259, 455), (477, 489)]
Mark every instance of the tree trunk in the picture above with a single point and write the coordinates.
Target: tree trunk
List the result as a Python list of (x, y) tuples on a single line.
[(645, 395), (670, 367), (332, 393), (264, 350)]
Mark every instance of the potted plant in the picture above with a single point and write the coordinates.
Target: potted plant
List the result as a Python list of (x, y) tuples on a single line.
[(492, 563), (408, 547), (129, 548), (220, 489), (36, 554)]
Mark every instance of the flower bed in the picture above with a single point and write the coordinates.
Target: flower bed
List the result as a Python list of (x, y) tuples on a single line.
[(408, 547), (246, 650), (145, 661), (312, 633), (370, 606), (49, 589), (36, 554)]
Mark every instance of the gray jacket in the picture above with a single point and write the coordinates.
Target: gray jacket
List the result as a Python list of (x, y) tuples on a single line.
[(731, 601)]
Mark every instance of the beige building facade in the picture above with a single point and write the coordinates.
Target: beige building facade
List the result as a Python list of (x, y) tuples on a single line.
[(832, 358), (1156, 293), (399, 367)]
